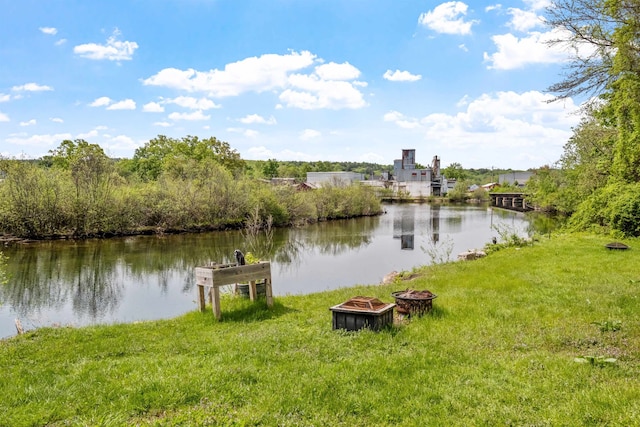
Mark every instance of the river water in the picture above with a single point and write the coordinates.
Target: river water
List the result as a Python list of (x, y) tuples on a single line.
[(151, 277)]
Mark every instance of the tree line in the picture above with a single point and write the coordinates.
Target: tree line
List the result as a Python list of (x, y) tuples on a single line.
[(185, 184)]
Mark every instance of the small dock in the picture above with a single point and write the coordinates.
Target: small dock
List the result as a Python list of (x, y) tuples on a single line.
[(511, 201)]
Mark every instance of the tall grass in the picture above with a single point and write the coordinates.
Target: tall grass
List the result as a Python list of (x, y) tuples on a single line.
[(499, 348), (38, 203)]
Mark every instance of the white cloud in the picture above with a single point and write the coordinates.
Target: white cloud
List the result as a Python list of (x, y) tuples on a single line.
[(60, 42), (463, 47), (514, 52), (519, 125), (121, 143), (4, 117), (505, 113), (254, 74), (103, 101), (372, 158), (48, 30), (325, 87), (333, 71), (310, 92), (113, 50), (196, 115), (401, 76), (263, 153), (538, 4), (163, 124), (93, 133), (260, 153), (56, 120), (31, 87), (308, 134), (4, 97), (153, 107), (489, 8), (193, 103), (28, 123), (256, 118), (524, 20), (401, 120), (250, 133), (39, 140), (126, 104), (448, 18)]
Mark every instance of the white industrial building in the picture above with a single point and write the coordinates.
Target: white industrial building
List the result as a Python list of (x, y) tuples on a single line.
[(417, 182)]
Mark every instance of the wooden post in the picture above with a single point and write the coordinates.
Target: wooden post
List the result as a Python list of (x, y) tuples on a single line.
[(215, 304), (253, 292), (268, 291), (201, 302), (19, 327)]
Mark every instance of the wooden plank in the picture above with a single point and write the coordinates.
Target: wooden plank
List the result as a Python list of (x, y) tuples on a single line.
[(231, 275)]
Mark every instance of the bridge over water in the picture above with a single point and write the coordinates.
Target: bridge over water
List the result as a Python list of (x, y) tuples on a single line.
[(512, 201)]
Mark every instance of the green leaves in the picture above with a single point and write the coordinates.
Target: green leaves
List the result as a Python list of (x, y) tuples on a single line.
[(163, 154)]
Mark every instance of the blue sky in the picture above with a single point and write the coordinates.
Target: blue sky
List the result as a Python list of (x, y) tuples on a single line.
[(310, 80)]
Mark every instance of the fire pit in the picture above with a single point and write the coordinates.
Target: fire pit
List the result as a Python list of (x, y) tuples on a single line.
[(412, 302), (616, 245), (362, 312)]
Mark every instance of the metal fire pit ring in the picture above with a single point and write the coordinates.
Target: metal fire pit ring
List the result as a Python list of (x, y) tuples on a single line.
[(411, 302)]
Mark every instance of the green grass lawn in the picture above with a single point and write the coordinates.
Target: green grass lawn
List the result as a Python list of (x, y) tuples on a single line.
[(520, 337)]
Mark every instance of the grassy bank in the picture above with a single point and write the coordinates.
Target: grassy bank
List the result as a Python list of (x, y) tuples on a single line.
[(499, 348)]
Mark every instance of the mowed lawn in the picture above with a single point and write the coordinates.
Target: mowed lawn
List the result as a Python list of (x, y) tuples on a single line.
[(544, 335)]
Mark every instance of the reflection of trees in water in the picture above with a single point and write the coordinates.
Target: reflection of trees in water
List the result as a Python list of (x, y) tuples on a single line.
[(96, 290), (32, 280), (336, 237), (43, 276), (92, 274), (542, 223)]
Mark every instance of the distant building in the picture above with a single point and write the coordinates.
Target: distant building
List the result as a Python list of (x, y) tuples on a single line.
[(490, 186), (518, 178), (417, 182), (333, 178)]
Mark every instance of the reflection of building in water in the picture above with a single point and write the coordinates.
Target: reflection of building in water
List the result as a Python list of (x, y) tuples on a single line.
[(403, 228), (435, 223)]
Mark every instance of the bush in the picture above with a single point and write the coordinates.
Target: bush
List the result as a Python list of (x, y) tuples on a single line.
[(613, 208)]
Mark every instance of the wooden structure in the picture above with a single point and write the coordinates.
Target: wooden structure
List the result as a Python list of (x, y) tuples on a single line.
[(212, 277), (511, 201)]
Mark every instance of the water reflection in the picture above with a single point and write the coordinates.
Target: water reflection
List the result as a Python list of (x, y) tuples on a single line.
[(150, 277), (404, 225), (404, 228), (435, 223)]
